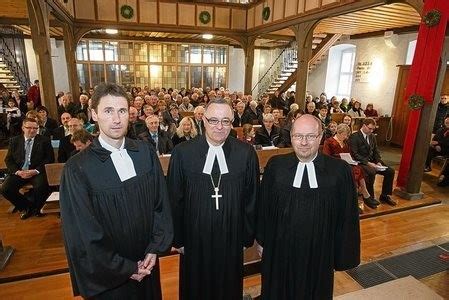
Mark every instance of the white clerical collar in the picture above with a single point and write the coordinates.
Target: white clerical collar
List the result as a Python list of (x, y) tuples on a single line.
[(310, 174), (123, 163), (215, 151)]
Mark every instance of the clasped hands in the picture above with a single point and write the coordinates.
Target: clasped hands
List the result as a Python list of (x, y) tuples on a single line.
[(144, 267), (25, 174)]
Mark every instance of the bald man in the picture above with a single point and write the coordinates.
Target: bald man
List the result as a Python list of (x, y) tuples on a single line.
[(308, 224)]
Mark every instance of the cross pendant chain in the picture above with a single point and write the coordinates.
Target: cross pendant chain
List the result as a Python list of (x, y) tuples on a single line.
[(216, 190)]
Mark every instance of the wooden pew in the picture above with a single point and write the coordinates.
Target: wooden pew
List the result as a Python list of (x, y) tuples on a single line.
[(262, 155), (3, 153), (186, 113), (53, 172)]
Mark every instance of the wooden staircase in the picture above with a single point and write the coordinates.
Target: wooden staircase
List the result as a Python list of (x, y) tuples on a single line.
[(321, 46), (7, 80)]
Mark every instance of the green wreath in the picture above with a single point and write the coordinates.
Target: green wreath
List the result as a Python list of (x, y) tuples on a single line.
[(126, 11), (415, 101), (266, 13), (204, 17), (432, 18)]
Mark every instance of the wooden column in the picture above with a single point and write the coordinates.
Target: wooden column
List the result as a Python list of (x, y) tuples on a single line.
[(70, 56), (248, 48), (304, 38), (38, 13), (429, 63)]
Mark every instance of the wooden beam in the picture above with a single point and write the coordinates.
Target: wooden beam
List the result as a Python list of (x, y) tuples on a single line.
[(70, 56), (39, 24), (403, 30)]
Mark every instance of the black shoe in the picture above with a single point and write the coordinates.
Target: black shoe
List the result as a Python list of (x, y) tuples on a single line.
[(15, 210), (37, 213), (427, 169), (387, 199), (26, 214), (370, 202), (444, 182)]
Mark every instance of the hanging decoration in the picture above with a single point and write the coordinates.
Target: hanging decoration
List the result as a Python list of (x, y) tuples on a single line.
[(204, 17), (416, 101), (266, 13), (126, 11), (432, 18)]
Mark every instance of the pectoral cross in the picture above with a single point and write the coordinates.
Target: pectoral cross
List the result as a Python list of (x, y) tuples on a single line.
[(216, 196)]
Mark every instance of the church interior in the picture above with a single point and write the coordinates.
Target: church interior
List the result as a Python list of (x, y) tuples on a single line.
[(389, 54)]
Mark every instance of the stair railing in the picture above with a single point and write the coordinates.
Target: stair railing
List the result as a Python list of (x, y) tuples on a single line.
[(11, 44)]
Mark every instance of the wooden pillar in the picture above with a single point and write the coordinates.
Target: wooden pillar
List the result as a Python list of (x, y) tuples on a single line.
[(70, 55), (38, 13), (304, 38), (248, 48), (428, 59)]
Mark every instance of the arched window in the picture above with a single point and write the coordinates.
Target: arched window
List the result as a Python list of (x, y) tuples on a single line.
[(340, 70), (410, 52)]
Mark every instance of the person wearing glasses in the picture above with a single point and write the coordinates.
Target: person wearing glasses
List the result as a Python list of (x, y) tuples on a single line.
[(213, 182), (363, 147), (25, 160), (308, 220)]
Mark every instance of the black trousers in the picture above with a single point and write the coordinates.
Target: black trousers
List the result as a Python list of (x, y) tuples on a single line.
[(12, 184), (370, 176), (433, 153)]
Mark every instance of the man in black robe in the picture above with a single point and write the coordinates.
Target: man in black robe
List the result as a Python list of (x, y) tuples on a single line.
[(308, 221), (213, 182), (114, 208)]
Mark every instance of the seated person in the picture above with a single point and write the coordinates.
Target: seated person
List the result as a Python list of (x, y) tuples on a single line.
[(335, 108), (329, 131), (268, 134), (253, 113), (47, 125), (63, 129), (240, 117), (370, 111), (344, 105), (248, 134), (363, 147), (13, 118), (285, 131), (311, 108), (81, 139), (323, 115), (277, 115), (66, 148), (356, 111), (85, 123), (185, 105), (198, 114), (185, 131), (159, 140), (439, 144), (25, 160), (66, 106), (338, 144), (148, 110), (135, 125)]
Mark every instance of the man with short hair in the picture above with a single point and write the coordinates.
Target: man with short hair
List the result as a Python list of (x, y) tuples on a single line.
[(83, 106), (185, 105), (81, 139), (363, 147), (25, 160), (63, 129), (307, 222), (198, 114), (158, 139), (240, 117), (212, 182), (442, 112), (135, 126), (114, 209)]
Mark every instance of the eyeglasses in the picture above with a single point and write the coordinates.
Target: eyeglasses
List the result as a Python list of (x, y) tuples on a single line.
[(33, 128), (307, 137), (214, 121)]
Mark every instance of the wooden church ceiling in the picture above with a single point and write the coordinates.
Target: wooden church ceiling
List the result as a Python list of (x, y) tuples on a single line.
[(376, 19)]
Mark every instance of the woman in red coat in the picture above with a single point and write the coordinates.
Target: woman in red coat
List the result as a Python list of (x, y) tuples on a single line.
[(337, 144)]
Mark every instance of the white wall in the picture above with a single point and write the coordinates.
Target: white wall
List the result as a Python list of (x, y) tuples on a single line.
[(236, 69), (58, 61), (381, 89)]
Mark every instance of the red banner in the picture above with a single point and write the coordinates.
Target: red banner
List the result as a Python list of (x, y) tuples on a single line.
[(423, 77)]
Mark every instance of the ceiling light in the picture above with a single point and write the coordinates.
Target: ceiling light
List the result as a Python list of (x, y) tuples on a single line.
[(111, 31), (207, 36)]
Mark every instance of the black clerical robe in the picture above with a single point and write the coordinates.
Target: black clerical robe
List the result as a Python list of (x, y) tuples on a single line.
[(306, 233), (213, 240), (109, 225)]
